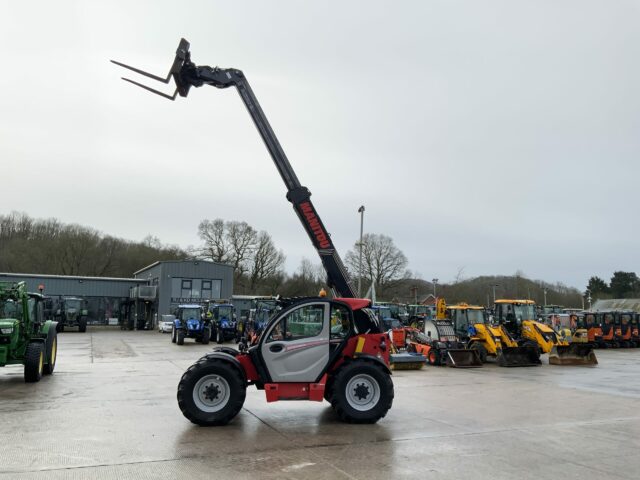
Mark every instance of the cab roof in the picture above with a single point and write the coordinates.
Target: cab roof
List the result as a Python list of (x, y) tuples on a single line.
[(464, 306), (522, 302), (355, 303)]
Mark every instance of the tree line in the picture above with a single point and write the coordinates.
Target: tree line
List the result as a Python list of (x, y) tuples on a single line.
[(48, 246)]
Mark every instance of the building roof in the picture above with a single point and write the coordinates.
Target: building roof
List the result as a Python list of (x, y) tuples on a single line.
[(181, 261), (617, 304), (72, 277)]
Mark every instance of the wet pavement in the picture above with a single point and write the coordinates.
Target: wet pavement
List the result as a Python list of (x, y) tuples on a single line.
[(110, 411)]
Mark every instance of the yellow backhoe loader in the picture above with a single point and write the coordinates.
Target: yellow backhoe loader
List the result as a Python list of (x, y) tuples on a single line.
[(472, 325), (518, 318)]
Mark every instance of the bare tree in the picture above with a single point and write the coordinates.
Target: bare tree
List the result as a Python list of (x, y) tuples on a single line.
[(267, 261), (215, 247), (382, 261)]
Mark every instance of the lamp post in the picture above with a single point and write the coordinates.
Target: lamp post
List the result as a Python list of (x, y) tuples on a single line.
[(588, 292), (494, 291), (361, 212), (435, 282), (545, 297)]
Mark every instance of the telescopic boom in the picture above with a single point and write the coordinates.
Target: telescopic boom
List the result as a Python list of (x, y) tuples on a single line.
[(186, 75)]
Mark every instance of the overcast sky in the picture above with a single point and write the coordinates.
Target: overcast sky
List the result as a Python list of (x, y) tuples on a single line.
[(492, 136)]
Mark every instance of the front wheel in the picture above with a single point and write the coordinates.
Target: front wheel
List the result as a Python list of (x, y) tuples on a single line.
[(206, 335), (482, 351), (362, 392), (219, 335), (34, 362), (180, 337), (211, 392), (82, 325), (174, 335)]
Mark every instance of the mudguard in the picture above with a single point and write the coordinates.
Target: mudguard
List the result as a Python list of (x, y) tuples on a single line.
[(375, 359), (47, 326), (219, 355)]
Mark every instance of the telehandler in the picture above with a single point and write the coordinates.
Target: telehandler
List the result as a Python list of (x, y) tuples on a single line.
[(25, 337), (300, 354)]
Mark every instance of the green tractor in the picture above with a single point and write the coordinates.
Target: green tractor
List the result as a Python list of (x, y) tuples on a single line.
[(72, 312), (25, 337)]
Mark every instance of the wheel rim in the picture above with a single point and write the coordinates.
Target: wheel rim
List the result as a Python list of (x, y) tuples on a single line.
[(211, 393), (363, 392), (41, 365)]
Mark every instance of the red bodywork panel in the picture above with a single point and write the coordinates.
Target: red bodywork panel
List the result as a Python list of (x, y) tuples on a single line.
[(593, 333), (296, 391), (355, 303), (374, 344)]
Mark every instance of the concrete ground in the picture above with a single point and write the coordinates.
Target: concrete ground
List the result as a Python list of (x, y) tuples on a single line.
[(109, 411)]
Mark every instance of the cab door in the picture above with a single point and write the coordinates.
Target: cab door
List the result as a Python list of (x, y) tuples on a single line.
[(296, 347)]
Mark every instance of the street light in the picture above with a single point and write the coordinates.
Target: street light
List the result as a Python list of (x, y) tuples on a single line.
[(361, 212), (588, 293), (494, 291), (545, 297), (435, 282)]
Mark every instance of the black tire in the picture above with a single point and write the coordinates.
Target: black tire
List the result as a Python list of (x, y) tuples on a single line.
[(206, 336), (482, 351), (60, 327), (82, 325), (433, 357), (372, 376), (51, 352), (180, 336), (173, 335), (534, 345), (34, 362), (193, 384), (219, 335)]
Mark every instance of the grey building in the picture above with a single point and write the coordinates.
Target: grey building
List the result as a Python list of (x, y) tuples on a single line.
[(135, 302), (192, 281), (106, 298)]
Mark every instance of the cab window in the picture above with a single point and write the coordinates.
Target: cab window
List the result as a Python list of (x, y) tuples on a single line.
[(340, 322), (303, 322)]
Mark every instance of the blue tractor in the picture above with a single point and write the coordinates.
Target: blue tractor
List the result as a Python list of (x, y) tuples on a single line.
[(223, 321), (190, 323)]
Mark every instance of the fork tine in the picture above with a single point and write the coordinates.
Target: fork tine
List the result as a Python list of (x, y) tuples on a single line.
[(152, 90), (142, 72)]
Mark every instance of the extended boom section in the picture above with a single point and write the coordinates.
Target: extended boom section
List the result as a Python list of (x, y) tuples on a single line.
[(186, 74)]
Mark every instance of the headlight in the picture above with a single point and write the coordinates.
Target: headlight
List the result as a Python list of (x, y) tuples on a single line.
[(6, 331)]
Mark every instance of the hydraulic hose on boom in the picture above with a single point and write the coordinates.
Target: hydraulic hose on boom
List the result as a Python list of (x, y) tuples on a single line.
[(186, 75)]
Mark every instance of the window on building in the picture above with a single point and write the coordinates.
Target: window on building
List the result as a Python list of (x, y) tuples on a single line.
[(206, 289), (186, 289)]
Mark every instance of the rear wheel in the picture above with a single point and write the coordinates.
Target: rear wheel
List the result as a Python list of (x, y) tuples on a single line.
[(362, 392), (482, 351), (180, 337), (34, 362), (51, 352), (211, 392)]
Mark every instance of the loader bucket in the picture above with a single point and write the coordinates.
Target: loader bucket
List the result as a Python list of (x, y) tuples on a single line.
[(573, 354), (407, 361), (525, 356), (463, 358)]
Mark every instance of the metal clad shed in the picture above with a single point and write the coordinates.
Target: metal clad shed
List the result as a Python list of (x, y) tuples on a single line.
[(192, 281)]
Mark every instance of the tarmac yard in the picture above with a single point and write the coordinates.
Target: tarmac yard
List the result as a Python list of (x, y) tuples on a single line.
[(110, 411)]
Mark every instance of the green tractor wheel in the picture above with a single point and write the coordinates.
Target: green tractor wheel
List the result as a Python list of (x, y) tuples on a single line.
[(34, 362), (51, 352)]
